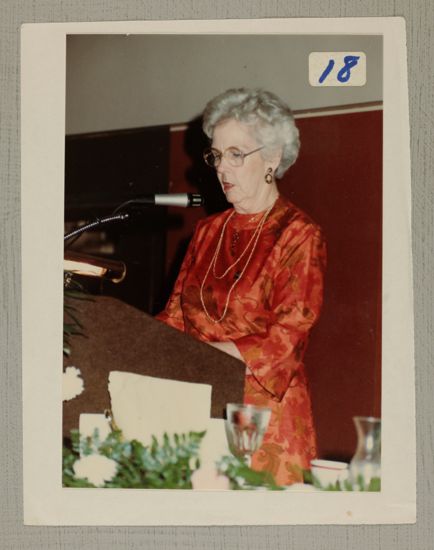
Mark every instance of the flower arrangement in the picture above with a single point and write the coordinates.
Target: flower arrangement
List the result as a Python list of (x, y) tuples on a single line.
[(168, 465), (172, 463)]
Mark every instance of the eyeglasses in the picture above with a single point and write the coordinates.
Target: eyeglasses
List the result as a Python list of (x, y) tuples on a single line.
[(233, 155)]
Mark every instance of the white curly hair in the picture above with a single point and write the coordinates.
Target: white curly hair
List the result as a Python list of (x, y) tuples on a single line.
[(271, 120)]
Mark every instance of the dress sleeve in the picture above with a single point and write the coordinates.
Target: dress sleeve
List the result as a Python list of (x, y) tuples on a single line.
[(172, 314), (273, 356)]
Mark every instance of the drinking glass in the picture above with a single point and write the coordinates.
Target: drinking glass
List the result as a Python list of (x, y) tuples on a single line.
[(245, 428)]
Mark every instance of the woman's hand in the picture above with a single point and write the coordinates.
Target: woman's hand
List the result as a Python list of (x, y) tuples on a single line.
[(228, 347)]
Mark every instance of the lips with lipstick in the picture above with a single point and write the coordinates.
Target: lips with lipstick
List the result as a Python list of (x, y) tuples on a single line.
[(227, 186)]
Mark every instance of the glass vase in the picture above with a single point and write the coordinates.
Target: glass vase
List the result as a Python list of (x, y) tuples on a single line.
[(365, 466)]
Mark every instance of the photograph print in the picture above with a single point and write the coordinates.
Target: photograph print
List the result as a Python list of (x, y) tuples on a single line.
[(223, 262)]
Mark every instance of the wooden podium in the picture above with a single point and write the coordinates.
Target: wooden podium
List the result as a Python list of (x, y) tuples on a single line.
[(119, 337)]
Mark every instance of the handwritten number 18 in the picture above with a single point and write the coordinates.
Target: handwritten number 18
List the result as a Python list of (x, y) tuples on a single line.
[(344, 73)]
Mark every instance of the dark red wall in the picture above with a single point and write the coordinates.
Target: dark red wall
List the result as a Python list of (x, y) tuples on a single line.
[(337, 180)]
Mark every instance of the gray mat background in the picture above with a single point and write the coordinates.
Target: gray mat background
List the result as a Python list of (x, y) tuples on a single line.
[(419, 15)]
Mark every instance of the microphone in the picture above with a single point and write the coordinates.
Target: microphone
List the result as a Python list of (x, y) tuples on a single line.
[(184, 200)]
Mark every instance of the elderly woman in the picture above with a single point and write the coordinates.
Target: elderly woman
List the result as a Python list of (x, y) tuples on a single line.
[(252, 280)]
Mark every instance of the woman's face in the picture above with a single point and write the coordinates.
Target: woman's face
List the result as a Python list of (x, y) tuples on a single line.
[(244, 186)]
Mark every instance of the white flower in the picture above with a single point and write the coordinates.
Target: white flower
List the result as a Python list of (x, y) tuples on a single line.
[(97, 468), (207, 478), (72, 384)]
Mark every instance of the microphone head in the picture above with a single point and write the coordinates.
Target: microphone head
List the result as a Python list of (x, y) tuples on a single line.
[(195, 199), (183, 200)]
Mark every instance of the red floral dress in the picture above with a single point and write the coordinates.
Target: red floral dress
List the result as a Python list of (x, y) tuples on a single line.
[(271, 310)]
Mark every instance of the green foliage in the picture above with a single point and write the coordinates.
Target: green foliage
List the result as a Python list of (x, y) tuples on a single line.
[(360, 485), (374, 484), (165, 465), (307, 477), (73, 290), (241, 476)]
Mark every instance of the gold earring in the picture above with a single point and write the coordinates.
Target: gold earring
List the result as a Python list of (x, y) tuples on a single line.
[(269, 176)]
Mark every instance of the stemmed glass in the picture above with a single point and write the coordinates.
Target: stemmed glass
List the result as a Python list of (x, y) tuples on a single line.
[(245, 428)]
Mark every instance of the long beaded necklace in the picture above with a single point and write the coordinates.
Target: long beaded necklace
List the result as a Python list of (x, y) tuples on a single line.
[(244, 252), (236, 238), (254, 239)]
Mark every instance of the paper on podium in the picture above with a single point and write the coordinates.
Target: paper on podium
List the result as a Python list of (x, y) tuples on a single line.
[(143, 406)]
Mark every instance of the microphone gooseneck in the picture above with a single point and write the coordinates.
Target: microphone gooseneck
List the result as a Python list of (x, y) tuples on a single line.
[(96, 223)]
